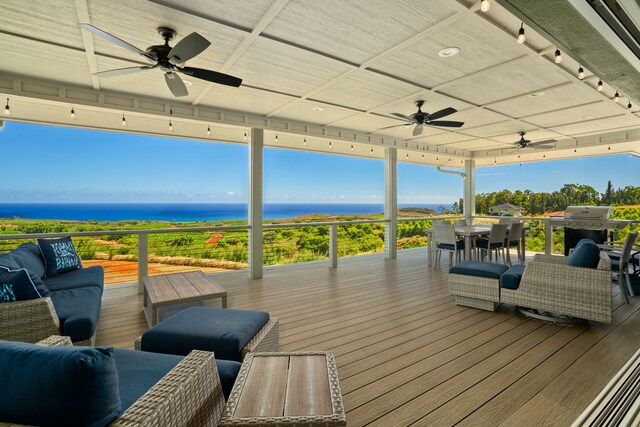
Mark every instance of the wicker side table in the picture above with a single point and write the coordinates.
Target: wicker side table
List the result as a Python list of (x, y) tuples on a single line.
[(292, 389)]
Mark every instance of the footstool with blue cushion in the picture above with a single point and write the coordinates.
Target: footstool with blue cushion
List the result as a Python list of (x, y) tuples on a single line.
[(476, 284), (230, 334)]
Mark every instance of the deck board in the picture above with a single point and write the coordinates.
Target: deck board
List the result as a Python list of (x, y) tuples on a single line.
[(406, 354)]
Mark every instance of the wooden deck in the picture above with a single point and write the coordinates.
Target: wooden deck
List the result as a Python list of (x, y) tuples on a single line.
[(407, 355)]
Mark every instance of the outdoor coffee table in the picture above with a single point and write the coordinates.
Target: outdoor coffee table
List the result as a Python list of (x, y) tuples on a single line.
[(292, 389), (178, 289)]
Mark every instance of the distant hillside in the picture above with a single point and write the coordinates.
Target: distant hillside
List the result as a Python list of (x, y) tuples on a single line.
[(416, 211)]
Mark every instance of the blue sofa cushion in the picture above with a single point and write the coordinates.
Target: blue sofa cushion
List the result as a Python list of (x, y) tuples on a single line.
[(479, 269), (58, 386), (138, 371), (20, 285), (89, 276), (26, 256), (78, 311), (59, 255), (450, 247), (220, 330), (510, 279), (585, 254)]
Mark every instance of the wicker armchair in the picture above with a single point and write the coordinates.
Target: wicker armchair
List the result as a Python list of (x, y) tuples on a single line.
[(189, 395), (31, 321), (551, 285)]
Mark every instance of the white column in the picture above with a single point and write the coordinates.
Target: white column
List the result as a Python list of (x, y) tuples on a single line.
[(143, 259), (256, 145), (390, 202), (469, 197)]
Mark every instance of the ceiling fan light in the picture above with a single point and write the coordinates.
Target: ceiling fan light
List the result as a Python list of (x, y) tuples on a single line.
[(558, 56), (581, 73), (521, 36), (485, 5)]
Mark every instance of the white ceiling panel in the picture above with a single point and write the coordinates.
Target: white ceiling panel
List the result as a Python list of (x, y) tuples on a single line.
[(577, 114), (355, 31), (532, 135), (520, 77), (241, 13), (600, 125), (303, 111), (243, 99), (510, 126), (285, 69)]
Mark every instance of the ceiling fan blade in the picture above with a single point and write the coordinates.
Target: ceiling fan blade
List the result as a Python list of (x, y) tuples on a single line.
[(113, 39), (211, 76), (402, 116), (441, 113), (417, 130), (445, 123), (187, 48), (548, 142), (122, 71), (176, 85), (394, 126)]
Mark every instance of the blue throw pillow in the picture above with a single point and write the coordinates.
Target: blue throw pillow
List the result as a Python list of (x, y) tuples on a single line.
[(59, 255), (20, 285), (586, 254), (58, 386)]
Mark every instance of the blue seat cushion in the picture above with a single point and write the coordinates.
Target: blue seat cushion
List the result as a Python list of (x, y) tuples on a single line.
[(510, 279), (450, 247), (585, 254), (138, 371), (221, 330), (26, 256), (479, 269), (483, 243), (58, 386), (20, 285), (90, 276), (78, 311)]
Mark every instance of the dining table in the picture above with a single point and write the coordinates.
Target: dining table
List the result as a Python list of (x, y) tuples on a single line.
[(465, 231)]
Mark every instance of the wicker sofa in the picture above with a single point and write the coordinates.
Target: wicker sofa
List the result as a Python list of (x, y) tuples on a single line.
[(190, 394), (547, 283), (72, 308)]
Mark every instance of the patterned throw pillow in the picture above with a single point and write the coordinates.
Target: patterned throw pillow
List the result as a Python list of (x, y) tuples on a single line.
[(59, 255), (18, 285)]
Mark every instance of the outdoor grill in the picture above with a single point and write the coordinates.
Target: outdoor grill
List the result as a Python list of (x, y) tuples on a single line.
[(587, 222)]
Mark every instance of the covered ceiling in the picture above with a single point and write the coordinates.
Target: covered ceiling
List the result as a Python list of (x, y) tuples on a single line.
[(317, 75)]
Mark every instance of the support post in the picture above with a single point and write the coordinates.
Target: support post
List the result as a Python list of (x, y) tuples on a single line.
[(548, 236), (390, 202), (143, 259), (256, 151), (333, 245), (469, 193)]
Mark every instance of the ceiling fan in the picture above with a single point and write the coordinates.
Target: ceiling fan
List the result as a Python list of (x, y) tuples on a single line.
[(169, 60), (525, 143), (420, 118)]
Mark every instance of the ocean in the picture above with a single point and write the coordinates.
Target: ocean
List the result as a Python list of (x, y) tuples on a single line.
[(184, 212)]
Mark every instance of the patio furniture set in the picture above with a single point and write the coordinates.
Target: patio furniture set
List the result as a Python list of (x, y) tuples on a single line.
[(183, 368)]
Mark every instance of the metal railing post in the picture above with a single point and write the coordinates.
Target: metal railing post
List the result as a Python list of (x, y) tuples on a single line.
[(548, 236), (333, 245), (143, 259)]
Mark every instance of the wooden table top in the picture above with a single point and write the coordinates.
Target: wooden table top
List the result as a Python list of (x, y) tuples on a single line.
[(274, 387), (181, 287)]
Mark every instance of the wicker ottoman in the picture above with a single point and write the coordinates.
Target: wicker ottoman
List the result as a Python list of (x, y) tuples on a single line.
[(230, 334), (476, 284)]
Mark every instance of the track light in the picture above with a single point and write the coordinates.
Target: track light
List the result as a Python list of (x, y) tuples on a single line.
[(616, 97), (245, 136), (208, 130), (73, 113), (7, 109), (558, 57), (600, 85), (581, 73), (485, 5), (124, 121), (521, 37)]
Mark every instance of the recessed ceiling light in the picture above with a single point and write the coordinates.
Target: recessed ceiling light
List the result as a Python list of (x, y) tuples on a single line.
[(536, 94), (318, 109), (187, 83), (448, 52), (585, 117)]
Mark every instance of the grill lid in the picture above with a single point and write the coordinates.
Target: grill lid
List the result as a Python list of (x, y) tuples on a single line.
[(589, 212)]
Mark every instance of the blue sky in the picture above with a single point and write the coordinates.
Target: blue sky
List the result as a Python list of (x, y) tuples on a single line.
[(55, 164)]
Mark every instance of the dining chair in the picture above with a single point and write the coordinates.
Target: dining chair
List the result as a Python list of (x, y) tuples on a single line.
[(620, 258), (494, 243), (446, 241), (460, 223), (514, 239)]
